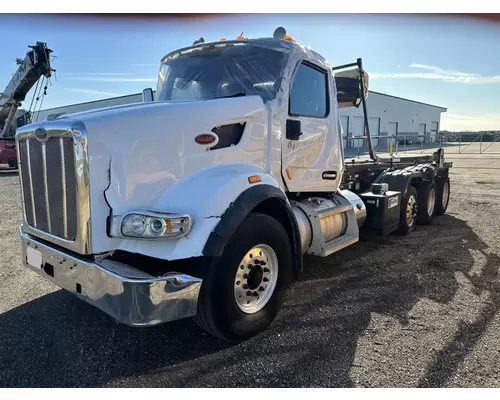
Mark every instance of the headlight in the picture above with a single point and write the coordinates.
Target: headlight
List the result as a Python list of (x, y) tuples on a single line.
[(150, 225)]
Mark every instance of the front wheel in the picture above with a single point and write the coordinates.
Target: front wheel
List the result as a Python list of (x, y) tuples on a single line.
[(243, 291)]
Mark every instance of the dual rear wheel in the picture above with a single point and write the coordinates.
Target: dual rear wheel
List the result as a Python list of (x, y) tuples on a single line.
[(422, 205)]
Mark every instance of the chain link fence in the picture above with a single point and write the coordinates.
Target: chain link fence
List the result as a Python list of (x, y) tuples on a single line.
[(455, 143)]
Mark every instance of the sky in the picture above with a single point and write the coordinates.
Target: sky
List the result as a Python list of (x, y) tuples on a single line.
[(446, 61)]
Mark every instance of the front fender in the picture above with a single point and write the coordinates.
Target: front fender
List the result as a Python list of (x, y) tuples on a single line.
[(206, 196)]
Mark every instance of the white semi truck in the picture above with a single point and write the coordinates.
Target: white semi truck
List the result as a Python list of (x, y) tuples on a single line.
[(202, 201)]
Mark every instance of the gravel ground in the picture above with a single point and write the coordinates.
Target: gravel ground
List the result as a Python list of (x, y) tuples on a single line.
[(397, 311)]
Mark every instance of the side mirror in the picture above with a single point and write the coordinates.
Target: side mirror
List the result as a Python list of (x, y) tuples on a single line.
[(147, 95), (293, 129)]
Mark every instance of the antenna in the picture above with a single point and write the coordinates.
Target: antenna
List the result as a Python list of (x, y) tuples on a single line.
[(279, 33)]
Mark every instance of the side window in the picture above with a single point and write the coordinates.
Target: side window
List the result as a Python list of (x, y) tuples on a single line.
[(309, 93)]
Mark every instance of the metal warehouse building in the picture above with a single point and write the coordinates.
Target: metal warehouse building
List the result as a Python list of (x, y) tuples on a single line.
[(389, 117)]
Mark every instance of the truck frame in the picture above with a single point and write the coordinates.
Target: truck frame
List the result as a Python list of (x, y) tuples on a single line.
[(238, 171)]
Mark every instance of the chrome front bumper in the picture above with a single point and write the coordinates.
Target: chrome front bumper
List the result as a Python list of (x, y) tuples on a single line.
[(128, 295)]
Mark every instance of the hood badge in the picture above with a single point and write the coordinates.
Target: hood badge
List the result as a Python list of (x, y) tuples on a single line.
[(206, 139), (41, 134)]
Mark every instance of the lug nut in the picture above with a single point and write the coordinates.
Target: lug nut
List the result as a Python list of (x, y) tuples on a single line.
[(249, 293), (245, 286), (266, 279), (245, 276), (255, 294), (261, 288), (238, 282), (266, 270), (263, 263), (257, 262)]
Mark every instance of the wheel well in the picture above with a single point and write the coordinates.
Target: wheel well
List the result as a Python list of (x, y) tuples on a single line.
[(415, 181), (418, 180), (276, 208), (266, 199)]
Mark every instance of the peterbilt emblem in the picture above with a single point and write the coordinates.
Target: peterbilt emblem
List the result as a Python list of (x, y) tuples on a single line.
[(41, 134), (206, 138)]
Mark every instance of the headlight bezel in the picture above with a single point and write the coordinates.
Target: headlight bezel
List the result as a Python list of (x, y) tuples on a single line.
[(173, 225)]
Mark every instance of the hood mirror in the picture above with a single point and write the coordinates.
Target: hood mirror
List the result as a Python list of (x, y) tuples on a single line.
[(147, 95)]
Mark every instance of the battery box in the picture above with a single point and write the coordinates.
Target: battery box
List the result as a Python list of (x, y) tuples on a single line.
[(382, 211)]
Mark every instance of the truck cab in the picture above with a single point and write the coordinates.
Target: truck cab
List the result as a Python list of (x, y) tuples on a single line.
[(202, 201), (297, 88)]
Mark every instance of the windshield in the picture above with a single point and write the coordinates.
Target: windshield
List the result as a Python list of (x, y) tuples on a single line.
[(221, 71)]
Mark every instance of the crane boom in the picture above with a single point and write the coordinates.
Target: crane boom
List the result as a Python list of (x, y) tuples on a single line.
[(35, 65)]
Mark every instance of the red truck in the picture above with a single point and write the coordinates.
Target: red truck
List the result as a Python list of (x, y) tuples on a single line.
[(8, 155)]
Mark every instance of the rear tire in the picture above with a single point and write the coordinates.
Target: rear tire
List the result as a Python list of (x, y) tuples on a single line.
[(237, 303), (427, 196), (443, 196), (409, 212)]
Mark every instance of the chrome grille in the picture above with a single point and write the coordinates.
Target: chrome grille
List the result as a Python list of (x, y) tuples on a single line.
[(49, 185)]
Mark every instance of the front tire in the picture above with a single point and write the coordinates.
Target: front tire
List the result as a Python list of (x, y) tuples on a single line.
[(243, 291)]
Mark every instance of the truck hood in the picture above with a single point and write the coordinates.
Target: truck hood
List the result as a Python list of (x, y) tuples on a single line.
[(138, 152), (106, 110)]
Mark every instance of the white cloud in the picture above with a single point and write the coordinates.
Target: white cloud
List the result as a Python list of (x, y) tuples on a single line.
[(436, 73), (460, 122), (90, 91)]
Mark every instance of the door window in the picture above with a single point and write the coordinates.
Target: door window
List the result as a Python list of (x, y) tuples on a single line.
[(309, 93)]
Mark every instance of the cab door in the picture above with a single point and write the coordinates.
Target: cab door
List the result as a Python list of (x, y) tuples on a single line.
[(311, 144)]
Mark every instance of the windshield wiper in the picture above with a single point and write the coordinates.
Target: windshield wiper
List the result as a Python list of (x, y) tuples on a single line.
[(238, 94)]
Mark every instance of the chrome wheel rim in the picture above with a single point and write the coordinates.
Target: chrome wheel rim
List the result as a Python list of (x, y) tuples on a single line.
[(431, 201), (446, 194), (256, 279), (411, 210)]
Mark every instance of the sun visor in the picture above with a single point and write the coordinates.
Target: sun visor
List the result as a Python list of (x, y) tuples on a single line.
[(348, 87)]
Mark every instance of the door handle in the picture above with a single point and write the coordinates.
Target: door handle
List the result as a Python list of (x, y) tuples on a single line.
[(330, 175)]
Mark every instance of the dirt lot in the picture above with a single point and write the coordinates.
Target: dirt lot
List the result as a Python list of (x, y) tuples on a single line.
[(413, 311)]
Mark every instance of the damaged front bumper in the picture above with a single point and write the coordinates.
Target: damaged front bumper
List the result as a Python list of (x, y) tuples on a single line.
[(128, 295)]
